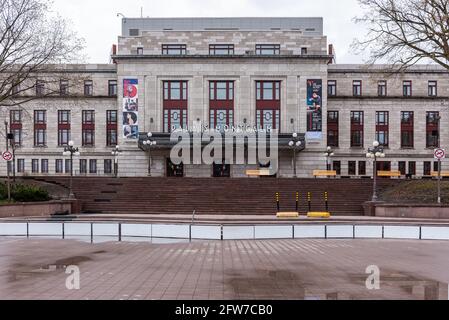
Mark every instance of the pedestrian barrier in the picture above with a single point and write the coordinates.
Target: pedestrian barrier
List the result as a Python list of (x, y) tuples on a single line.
[(107, 231)]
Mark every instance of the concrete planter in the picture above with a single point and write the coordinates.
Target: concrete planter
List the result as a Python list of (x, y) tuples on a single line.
[(39, 209), (406, 210)]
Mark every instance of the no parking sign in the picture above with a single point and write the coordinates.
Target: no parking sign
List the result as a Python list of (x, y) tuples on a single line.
[(7, 156), (439, 154)]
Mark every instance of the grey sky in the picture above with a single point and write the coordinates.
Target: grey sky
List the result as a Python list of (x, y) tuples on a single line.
[(96, 20)]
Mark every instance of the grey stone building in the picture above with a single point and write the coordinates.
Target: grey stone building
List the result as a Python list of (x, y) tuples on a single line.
[(276, 75)]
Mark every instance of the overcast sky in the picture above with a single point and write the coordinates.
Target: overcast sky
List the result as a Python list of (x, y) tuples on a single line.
[(96, 20)]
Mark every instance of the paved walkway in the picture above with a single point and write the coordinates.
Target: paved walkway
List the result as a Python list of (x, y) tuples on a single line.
[(278, 269)]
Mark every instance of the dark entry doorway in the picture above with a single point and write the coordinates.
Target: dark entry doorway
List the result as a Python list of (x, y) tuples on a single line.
[(174, 170), (222, 170)]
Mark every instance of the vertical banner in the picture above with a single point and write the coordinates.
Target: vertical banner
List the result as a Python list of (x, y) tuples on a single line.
[(131, 108), (314, 109)]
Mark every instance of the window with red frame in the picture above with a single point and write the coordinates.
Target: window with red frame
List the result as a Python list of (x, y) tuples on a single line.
[(357, 127), (40, 128), (268, 105), (15, 117), (432, 129), (64, 127), (407, 129), (332, 129), (382, 127), (88, 128), (175, 105), (221, 104), (111, 128)]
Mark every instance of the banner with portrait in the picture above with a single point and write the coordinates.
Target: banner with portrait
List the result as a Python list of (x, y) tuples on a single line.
[(314, 109), (130, 108)]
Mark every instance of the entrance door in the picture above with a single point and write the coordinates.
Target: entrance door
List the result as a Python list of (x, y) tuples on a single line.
[(174, 170), (222, 170)]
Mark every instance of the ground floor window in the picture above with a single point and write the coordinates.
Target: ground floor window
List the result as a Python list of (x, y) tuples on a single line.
[(20, 165), (402, 167), (44, 165), (352, 168), (93, 166), (383, 166), (337, 167), (362, 168), (59, 166), (83, 166), (35, 165), (68, 165), (107, 166), (412, 168)]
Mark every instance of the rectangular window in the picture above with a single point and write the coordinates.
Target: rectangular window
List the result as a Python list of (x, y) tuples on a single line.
[(88, 128), (112, 88), (407, 129), (432, 129), (221, 104), (174, 49), (59, 166), (221, 49), (175, 90), (407, 88), (382, 88), (357, 127), (362, 168), (412, 168), (15, 118), (64, 127), (111, 128), (107, 166), (40, 87), (88, 88), (352, 168), (268, 49), (35, 165), (427, 168), (382, 127), (357, 88), (93, 166), (332, 129), (268, 90), (402, 167), (83, 166), (303, 51), (20, 165), (433, 88), (64, 87), (140, 51), (332, 88), (337, 167), (44, 166), (68, 165), (40, 128)]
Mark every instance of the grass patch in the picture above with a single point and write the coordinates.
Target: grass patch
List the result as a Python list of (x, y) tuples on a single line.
[(418, 191)]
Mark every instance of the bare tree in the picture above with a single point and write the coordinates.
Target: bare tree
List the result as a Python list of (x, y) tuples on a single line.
[(405, 32), (34, 42)]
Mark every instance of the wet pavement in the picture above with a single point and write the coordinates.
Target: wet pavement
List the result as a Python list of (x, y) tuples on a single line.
[(273, 269)]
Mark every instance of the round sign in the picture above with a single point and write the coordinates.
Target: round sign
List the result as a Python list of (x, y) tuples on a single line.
[(439, 154), (7, 156)]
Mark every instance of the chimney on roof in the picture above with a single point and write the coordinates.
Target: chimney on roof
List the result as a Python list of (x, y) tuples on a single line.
[(114, 52), (332, 60)]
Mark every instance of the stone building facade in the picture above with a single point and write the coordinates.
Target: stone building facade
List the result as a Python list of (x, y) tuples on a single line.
[(171, 73)]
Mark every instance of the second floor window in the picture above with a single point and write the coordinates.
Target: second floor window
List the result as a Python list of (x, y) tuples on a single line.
[(268, 90), (407, 129), (88, 128), (382, 88), (15, 117), (63, 127), (175, 90), (332, 88), (432, 129), (40, 117), (111, 128), (433, 92), (268, 49), (40, 87), (357, 88), (174, 49), (221, 90), (88, 88), (332, 129), (382, 127), (407, 88), (357, 127), (112, 88), (221, 49), (64, 87)]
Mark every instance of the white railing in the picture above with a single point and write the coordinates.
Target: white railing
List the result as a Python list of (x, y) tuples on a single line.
[(119, 231)]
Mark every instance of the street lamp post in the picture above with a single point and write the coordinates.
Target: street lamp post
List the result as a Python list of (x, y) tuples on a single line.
[(71, 151), (115, 153), (377, 151), (295, 144), (438, 118), (329, 153), (149, 143)]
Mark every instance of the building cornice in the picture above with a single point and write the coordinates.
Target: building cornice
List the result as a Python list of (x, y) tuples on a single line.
[(223, 57)]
